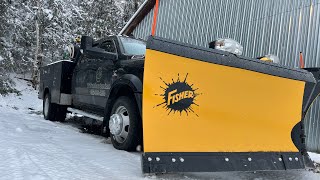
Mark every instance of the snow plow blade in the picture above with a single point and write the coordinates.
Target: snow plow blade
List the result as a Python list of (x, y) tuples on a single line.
[(206, 110)]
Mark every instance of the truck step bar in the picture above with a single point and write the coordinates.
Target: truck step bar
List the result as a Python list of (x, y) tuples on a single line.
[(89, 115)]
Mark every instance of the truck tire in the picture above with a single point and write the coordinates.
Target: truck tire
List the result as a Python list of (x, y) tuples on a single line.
[(53, 112), (125, 124), (49, 109), (61, 113)]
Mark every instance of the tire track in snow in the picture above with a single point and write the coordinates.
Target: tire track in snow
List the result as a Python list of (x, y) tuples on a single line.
[(14, 165)]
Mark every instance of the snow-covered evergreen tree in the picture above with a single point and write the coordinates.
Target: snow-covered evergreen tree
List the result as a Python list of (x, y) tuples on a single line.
[(60, 22), (102, 18), (130, 7)]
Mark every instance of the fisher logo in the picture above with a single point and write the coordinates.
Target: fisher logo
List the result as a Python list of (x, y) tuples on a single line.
[(179, 96)]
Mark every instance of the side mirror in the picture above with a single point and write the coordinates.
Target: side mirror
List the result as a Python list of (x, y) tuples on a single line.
[(86, 42)]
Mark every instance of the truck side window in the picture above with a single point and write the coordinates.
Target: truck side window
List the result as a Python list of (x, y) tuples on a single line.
[(108, 46)]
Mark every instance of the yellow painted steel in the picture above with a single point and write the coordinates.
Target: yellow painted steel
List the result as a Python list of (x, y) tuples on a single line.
[(238, 110)]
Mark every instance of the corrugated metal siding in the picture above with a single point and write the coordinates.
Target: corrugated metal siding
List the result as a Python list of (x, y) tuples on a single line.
[(143, 30), (281, 27)]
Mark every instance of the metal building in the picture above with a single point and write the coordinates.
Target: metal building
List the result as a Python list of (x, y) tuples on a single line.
[(281, 27)]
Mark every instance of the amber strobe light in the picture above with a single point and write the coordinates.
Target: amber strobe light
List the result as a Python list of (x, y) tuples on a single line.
[(301, 60)]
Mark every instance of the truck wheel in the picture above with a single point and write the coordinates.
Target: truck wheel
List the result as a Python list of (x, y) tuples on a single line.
[(61, 113), (53, 112), (125, 124), (49, 108)]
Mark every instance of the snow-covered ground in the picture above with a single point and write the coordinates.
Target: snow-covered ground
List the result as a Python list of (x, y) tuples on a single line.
[(315, 157), (33, 148)]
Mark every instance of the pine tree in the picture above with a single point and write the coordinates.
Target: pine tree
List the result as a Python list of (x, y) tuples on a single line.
[(60, 21), (130, 7), (3, 9), (102, 18)]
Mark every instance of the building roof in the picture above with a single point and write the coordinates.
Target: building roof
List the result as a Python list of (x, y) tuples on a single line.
[(144, 9)]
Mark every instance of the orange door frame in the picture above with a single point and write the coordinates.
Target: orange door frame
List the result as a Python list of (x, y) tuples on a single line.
[(155, 16)]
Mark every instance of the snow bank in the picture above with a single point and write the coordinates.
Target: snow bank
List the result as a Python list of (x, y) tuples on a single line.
[(26, 102), (315, 157)]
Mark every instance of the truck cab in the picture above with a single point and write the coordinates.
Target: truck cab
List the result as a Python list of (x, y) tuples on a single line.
[(103, 81)]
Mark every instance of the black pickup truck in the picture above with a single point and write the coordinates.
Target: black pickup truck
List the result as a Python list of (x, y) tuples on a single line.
[(102, 81)]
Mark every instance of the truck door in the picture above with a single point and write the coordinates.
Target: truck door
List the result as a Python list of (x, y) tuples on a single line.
[(92, 77), (100, 82), (82, 76)]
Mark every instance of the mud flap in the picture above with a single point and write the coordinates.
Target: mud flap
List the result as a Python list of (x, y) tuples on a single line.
[(207, 110)]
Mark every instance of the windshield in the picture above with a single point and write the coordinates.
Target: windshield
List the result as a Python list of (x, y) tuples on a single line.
[(133, 46)]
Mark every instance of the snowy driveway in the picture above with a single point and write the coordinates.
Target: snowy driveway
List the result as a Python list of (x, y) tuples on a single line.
[(32, 148)]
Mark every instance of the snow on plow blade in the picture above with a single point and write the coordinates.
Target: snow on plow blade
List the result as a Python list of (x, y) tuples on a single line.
[(206, 110)]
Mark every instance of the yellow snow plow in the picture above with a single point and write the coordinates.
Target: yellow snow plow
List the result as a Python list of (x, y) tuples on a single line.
[(206, 110)]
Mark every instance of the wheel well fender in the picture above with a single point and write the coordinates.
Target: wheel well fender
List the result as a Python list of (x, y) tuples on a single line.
[(131, 80), (128, 85)]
